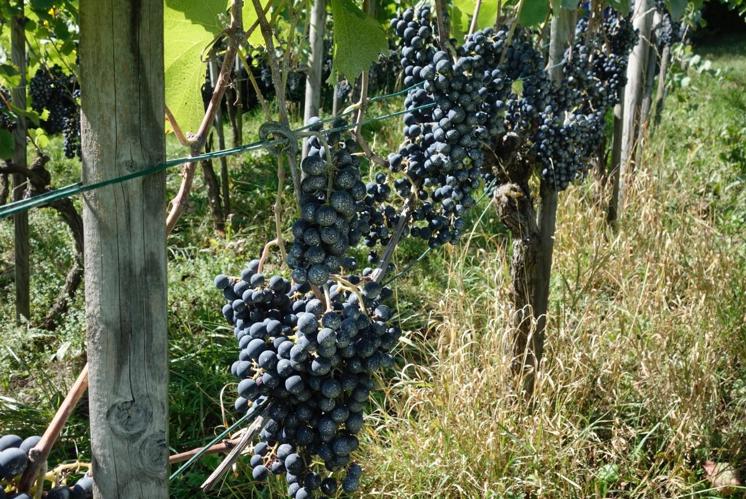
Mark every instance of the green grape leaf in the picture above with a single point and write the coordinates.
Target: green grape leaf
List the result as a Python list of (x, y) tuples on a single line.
[(189, 28), (9, 76), (621, 6), (676, 8), (532, 12), (40, 137), (358, 39), (462, 12), (6, 144), (29, 114)]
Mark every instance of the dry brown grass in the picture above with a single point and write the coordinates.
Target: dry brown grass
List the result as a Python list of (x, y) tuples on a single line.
[(634, 390)]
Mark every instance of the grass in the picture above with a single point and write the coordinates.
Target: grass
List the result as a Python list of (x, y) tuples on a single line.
[(644, 377)]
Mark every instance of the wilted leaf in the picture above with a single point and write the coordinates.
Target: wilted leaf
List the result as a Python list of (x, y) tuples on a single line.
[(722, 476)]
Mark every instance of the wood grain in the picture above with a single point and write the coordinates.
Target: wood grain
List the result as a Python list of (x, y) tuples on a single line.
[(121, 56)]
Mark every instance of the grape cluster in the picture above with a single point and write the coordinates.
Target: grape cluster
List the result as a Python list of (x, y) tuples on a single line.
[(668, 31), (563, 146), (459, 109), (7, 120), (572, 121), (14, 459), (329, 223), (314, 362), (71, 131), (52, 89)]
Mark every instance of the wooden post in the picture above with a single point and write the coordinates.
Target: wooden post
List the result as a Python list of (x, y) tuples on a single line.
[(22, 246), (642, 20), (121, 75), (647, 92), (315, 63)]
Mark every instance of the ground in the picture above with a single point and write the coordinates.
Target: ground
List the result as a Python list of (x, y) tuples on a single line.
[(644, 379)]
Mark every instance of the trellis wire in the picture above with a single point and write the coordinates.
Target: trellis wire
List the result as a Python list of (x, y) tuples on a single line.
[(78, 187)]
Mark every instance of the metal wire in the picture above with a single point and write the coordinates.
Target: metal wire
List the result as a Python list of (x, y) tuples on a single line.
[(78, 187)]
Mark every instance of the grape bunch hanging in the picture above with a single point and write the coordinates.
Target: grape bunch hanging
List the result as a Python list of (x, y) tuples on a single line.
[(314, 362), (57, 93)]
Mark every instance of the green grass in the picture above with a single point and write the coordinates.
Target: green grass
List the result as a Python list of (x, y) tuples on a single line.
[(644, 376)]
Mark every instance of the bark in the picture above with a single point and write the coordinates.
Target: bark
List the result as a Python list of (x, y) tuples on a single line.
[(224, 180), (660, 93), (647, 93), (213, 191), (38, 179), (612, 215), (178, 204), (563, 27), (516, 210)]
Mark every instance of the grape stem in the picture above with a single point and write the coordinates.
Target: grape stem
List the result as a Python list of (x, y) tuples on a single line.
[(265, 253), (511, 32), (38, 455), (278, 83), (277, 208), (254, 84), (475, 15), (39, 485), (363, 104), (394, 241), (328, 298), (234, 454)]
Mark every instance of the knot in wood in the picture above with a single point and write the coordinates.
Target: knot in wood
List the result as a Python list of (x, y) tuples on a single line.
[(130, 418), (154, 455)]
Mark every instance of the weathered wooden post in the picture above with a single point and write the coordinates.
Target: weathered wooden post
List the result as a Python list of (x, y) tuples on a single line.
[(122, 123), (20, 220)]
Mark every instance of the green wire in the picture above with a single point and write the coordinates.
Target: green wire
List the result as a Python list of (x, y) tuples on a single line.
[(78, 187), (250, 415)]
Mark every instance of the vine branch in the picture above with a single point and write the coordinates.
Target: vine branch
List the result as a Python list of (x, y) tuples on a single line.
[(38, 455), (196, 142)]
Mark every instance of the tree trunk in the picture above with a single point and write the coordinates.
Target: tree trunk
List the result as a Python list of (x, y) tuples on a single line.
[(224, 180), (315, 63), (563, 27), (213, 190), (22, 245), (238, 108), (121, 75), (660, 93), (516, 210), (642, 20), (612, 215)]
